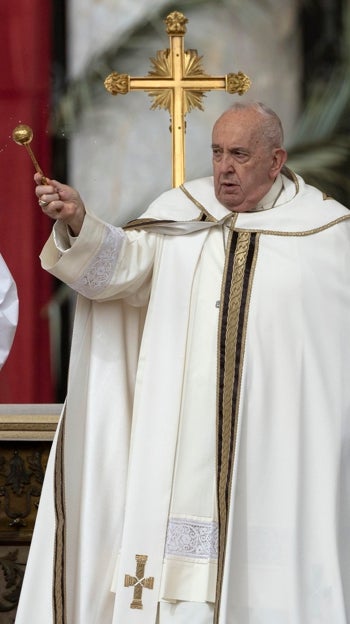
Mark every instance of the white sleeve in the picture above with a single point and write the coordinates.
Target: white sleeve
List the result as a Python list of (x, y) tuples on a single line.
[(8, 311), (63, 239), (104, 262)]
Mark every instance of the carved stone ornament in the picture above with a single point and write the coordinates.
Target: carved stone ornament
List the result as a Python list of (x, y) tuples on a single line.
[(22, 468), (11, 577)]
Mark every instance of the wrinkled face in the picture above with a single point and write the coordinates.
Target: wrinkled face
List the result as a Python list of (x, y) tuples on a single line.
[(244, 164)]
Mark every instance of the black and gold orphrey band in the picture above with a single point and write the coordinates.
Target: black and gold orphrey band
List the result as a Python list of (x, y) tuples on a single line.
[(59, 581), (238, 276)]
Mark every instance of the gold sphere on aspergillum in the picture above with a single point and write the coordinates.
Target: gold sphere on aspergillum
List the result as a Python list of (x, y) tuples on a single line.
[(22, 134)]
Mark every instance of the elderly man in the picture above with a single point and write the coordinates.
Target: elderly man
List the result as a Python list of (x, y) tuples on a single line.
[(200, 472)]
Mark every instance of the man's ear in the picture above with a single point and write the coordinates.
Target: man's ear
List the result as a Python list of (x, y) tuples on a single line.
[(279, 157)]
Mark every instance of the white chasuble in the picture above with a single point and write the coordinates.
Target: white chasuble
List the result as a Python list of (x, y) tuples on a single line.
[(165, 311)]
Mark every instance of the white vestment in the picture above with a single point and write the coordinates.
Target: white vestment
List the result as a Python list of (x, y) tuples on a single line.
[(245, 315), (8, 311)]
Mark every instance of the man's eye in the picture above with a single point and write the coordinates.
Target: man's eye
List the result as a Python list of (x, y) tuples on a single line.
[(241, 156)]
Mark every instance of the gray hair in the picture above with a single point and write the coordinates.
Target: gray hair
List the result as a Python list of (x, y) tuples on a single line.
[(271, 128)]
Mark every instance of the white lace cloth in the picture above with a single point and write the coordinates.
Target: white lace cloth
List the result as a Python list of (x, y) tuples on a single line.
[(98, 273), (187, 537)]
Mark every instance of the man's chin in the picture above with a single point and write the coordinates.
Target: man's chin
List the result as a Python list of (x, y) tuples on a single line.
[(231, 197)]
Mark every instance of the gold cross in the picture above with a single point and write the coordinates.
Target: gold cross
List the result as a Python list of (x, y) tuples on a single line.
[(177, 83), (138, 582)]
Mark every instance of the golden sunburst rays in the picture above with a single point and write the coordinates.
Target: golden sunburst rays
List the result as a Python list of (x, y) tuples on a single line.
[(162, 69)]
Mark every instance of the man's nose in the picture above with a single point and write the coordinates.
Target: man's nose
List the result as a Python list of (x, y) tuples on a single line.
[(227, 162)]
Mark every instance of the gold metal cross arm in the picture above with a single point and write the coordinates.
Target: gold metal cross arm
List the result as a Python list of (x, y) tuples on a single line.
[(177, 83)]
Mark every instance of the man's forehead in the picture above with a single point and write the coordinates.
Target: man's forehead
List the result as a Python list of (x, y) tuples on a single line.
[(238, 119), (233, 137), (235, 129)]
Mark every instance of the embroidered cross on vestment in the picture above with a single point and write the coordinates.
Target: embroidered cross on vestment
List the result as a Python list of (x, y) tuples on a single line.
[(139, 581)]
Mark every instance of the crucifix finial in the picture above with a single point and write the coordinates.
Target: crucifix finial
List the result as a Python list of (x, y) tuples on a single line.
[(176, 23), (178, 84)]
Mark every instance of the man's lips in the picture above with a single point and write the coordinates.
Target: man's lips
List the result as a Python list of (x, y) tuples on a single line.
[(230, 186)]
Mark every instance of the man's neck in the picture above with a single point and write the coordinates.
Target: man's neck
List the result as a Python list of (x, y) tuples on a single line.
[(269, 200)]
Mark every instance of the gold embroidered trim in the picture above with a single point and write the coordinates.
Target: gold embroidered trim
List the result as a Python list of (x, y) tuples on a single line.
[(139, 223), (198, 204), (59, 580), (291, 176), (138, 582), (304, 233), (237, 283), (231, 224)]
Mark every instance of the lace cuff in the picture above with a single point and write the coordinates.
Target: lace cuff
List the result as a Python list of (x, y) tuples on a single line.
[(99, 271)]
